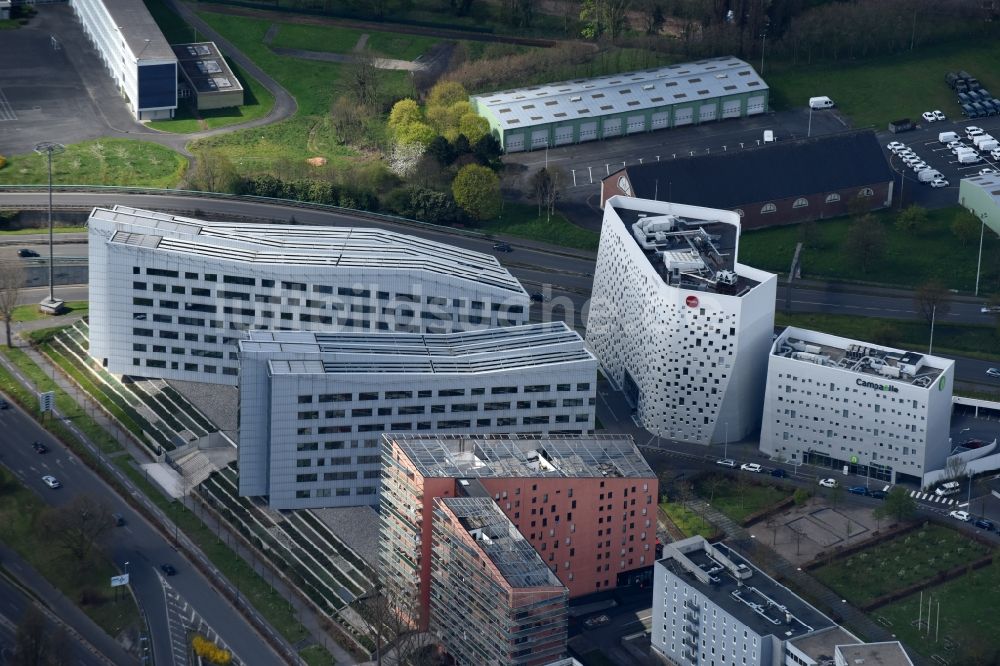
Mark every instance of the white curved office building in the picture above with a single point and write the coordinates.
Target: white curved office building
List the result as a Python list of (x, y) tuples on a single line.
[(171, 296), (678, 323)]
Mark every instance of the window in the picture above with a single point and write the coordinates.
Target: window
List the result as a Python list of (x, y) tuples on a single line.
[(832, 198), (768, 208), (801, 202), (866, 192)]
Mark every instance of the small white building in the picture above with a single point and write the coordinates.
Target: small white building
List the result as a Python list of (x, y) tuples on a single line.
[(170, 296), (836, 402), (677, 322), (135, 52), (313, 406)]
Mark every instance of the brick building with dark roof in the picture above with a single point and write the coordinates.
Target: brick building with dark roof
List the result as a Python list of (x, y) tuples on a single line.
[(777, 184)]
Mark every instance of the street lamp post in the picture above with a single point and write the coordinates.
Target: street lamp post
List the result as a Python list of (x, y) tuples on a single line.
[(979, 264), (50, 305)]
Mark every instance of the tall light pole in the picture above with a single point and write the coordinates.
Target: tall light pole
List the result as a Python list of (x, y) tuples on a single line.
[(809, 132), (930, 347), (979, 264), (763, 43), (50, 305)]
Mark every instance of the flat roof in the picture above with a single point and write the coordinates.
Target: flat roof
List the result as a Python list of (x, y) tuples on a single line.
[(989, 183), (139, 29), (514, 455), (205, 68), (302, 245), (620, 93), (689, 247), (755, 599), (875, 654), (486, 350), (812, 348), (501, 542), (821, 645)]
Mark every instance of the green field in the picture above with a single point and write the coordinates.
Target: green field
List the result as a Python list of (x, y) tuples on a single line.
[(967, 618), (898, 563), (338, 39), (35, 231), (100, 162), (32, 313), (523, 220), (738, 499), (911, 258), (689, 522), (878, 90)]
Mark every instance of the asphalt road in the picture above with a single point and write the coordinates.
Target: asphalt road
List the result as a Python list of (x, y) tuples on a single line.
[(136, 542)]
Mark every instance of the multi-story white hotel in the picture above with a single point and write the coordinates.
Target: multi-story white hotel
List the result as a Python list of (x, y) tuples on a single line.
[(170, 296), (313, 406), (677, 322), (881, 412), (135, 52), (712, 606)]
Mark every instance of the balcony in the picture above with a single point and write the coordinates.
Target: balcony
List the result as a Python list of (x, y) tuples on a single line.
[(691, 630), (691, 656), (691, 605), (693, 618)]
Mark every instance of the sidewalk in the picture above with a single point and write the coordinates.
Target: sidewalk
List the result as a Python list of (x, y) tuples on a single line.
[(80, 627), (304, 613)]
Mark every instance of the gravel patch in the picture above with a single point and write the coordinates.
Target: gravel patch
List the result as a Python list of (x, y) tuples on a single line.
[(219, 404), (356, 526)]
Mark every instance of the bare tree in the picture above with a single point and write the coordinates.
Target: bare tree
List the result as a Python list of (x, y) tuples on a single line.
[(363, 79), (394, 638), (214, 172), (931, 299), (11, 283), (35, 644), (797, 534), (866, 242), (79, 526), (955, 467), (348, 120)]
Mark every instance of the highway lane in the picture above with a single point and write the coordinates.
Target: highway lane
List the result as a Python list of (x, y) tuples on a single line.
[(137, 542)]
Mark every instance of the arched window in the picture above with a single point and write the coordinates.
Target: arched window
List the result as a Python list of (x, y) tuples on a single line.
[(768, 208), (866, 192), (801, 202), (832, 198), (739, 211)]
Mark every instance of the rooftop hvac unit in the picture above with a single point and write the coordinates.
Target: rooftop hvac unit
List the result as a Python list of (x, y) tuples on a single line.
[(726, 277)]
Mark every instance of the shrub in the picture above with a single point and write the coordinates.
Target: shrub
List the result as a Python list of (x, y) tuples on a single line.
[(209, 651)]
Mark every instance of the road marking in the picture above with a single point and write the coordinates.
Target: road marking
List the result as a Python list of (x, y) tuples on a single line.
[(6, 110)]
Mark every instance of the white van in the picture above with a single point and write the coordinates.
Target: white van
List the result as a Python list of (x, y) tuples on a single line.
[(820, 102), (947, 137), (927, 175), (969, 157), (947, 488), (768, 136)]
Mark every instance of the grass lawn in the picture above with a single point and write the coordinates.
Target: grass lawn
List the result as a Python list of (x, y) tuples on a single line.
[(32, 313), (897, 563), (100, 162), (523, 220), (967, 615), (689, 522), (317, 655), (20, 512), (34, 231), (976, 341), (728, 496), (338, 39), (911, 258), (878, 90)]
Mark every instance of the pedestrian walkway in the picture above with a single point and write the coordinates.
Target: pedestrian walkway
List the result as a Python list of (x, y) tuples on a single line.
[(931, 497), (312, 621)]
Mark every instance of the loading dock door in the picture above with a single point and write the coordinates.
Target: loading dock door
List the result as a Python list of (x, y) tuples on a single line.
[(661, 120), (636, 124), (539, 138), (564, 134), (613, 127), (731, 108), (707, 112), (588, 131), (756, 105), (514, 143), (683, 116)]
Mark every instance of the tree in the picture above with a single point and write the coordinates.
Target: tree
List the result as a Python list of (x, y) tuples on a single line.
[(416, 133), (35, 644), (214, 172), (955, 468), (519, 13), (404, 157), (347, 118), (487, 150), (800, 496), (473, 126), (886, 334), (79, 526), (541, 186), (404, 112), (446, 93), (966, 228), (809, 234), (797, 534), (363, 79), (477, 191), (441, 150), (899, 505), (912, 218), (604, 18), (11, 283), (866, 242), (653, 16), (931, 298)]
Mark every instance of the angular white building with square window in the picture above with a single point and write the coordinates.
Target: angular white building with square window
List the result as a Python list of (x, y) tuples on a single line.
[(313, 406), (837, 402), (170, 296), (678, 323)]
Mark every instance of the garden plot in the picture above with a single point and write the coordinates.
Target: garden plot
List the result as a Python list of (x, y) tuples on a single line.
[(844, 527)]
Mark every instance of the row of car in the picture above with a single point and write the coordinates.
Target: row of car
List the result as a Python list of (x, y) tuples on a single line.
[(756, 468), (925, 174), (981, 523)]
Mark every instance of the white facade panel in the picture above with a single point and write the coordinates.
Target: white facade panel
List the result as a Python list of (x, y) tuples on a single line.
[(563, 134), (636, 124), (539, 138), (731, 108), (660, 120), (683, 116), (756, 105), (648, 334), (707, 112), (892, 421), (613, 127), (588, 130), (513, 143)]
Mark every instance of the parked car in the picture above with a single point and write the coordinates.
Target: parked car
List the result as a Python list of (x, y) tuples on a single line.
[(51, 481), (828, 483), (117, 519), (878, 494), (928, 116), (25, 252), (987, 171), (993, 372), (858, 490), (168, 569), (726, 462), (779, 473), (989, 309), (39, 447), (960, 515), (939, 182), (895, 146), (938, 115), (502, 247), (3, 404), (995, 154), (984, 524), (751, 467), (972, 131), (596, 621)]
